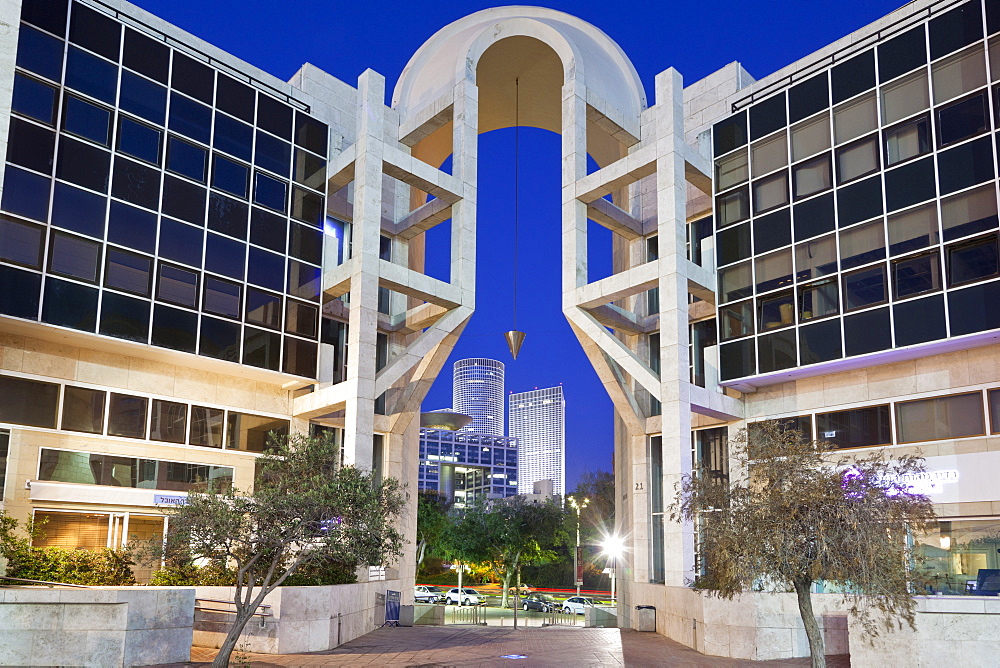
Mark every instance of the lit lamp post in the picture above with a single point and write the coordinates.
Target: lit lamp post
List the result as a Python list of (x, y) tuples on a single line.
[(577, 557), (613, 547)]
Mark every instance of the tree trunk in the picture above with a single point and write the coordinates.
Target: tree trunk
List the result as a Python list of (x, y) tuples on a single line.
[(506, 587), (229, 644), (816, 649)]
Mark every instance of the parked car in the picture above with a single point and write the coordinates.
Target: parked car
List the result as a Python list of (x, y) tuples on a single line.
[(577, 605), (540, 602), (426, 594), (463, 597), (523, 591)]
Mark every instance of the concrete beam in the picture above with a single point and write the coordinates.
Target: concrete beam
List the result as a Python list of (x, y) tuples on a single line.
[(619, 174), (618, 286), (341, 168), (418, 174), (321, 402), (616, 219), (414, 284), (426, 120), (423, 218)]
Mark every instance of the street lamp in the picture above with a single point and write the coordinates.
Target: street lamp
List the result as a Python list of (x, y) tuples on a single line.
[(577, 557), (613, 547)]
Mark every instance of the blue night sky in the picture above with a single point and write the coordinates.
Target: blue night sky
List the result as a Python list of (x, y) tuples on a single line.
[(345, 38)]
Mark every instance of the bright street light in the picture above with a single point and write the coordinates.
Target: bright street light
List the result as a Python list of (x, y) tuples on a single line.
[(577, 556), (614, 547)]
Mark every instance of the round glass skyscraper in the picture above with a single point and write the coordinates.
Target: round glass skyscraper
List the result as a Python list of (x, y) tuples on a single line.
[(477, 390)]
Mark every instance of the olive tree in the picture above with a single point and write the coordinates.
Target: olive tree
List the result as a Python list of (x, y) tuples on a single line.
[(796, 512), (305, 509)]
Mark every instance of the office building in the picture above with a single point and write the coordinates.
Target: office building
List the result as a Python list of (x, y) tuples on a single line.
[(477, 390), (464, 467), (538, 422)]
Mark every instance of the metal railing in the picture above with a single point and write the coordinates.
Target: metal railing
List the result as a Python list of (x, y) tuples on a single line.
[(46, 582), (559, 618), (263, 610), (467, 615)]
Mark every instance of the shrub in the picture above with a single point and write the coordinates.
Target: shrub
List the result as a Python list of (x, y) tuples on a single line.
[(214, 574)]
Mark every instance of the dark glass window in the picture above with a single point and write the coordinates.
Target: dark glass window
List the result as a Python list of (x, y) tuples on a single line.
[(913, 230), (937, 418), (859, 201), (132, 227), (20, 293), (808, 97), (310, 133), (774, 270), (222, 297), (308, 207), (95, 31), (83, 164), (857, 159), (909, 184), (266, 269), (855, 428), (306, 244), (220, 339), (814, 216), (965, 165), (168, 422), (230, 176), (733, 207), (268, 230), (273, 154), (86, 120), (28, 402), (974, 309), (175, 329), (862, 244), (26, 194), (190, 119), (907, 140), (263, 308), (776, 351), (303, 280), (83, 410), (270, 192), (192, 78), (953, 30), (730, 133), (124, 317), (250, 432), (184, 200), (992, 26), (736, 320), (901, 54), (46, 14), (972, 261), (143, 98), (274, 116), (136, 183), (139, 140), (225, 256), (206, 426), (969, 212), (737, 359), (767, 116), (300, 357), (146, 56), (310, 170), (916, 275), (301, 319), (735, 282), (820, 342), (34, 99), (261, 349), (233, 137), (128, 272), (919, 320), (733, 244), (21, 243), (777, 310), (127, 416), (177, 286), (812, 176), (854, 76), (180, 242), (186, 159), (227, 215), (235, 98), (864, 288), (818, 300), (91, 75), (77, 210), (40, 53), (962, 119), (31, 146), (69, 305), (74, 256)]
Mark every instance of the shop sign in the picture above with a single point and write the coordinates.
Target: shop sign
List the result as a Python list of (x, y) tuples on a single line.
[(164, 500)]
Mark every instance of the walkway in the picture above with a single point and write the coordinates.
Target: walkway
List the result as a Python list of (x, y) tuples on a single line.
[(447, 646)]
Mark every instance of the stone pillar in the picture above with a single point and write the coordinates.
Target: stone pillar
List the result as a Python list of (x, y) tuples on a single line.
[(574, 168), (465, 165), (671, 204), (363, 313)]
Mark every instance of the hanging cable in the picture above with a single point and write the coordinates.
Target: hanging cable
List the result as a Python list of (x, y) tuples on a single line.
[(517, 181)]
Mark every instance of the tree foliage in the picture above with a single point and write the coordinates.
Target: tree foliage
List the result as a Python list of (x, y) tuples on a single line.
[(305, 511), (597, 520), (432, 520), (796, 512)]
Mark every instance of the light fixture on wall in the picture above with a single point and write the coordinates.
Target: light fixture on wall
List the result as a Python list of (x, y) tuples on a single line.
[(514, 337)]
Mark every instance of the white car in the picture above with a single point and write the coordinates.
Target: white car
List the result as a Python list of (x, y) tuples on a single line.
[(426, 594), (577, 605), (463, 597)]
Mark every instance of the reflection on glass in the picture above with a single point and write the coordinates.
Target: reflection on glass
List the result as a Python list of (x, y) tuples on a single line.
[(957, 558)]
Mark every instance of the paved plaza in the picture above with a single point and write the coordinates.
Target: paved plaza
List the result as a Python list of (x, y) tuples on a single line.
[(441, 646)]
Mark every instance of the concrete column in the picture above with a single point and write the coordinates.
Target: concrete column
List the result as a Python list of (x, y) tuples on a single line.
[(574, 168), (671, 203), (465, 165), (363, 313)]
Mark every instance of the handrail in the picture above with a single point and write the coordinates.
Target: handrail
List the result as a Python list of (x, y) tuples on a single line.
[(46, 582), (266, 612)]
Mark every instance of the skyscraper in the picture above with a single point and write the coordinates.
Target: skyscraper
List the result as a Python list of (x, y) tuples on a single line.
[(477, 390), (538, 422)]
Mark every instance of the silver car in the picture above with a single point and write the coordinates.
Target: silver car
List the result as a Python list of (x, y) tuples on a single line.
[(463, 597), (426, 594)]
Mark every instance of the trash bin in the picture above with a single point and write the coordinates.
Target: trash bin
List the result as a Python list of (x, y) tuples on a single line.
[(645, 618)]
